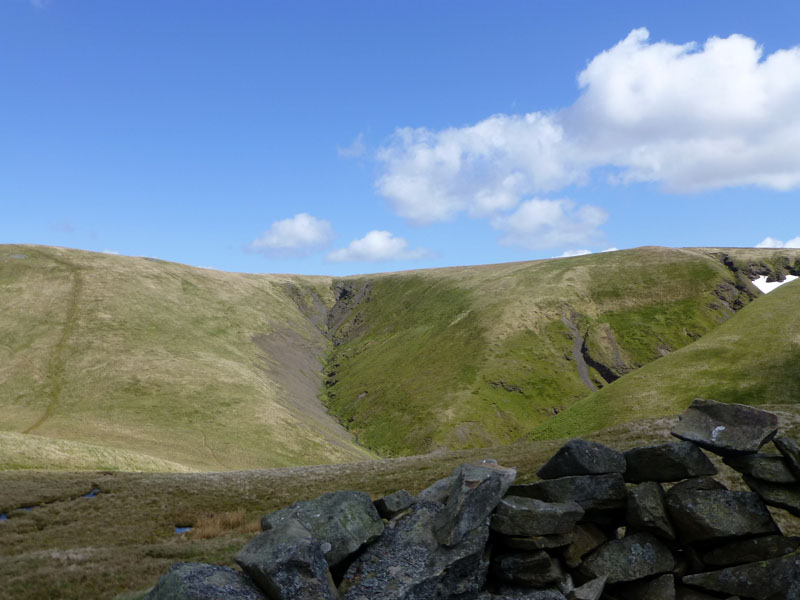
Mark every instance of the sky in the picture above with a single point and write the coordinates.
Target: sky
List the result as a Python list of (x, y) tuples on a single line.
[(361, 136)]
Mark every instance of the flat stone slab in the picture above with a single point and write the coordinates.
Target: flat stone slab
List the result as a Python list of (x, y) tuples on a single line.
[(786, 497), (591, 590), (667, 462), (763, 580), (767, 467), (791, 451), (647, 510), (535, 569), (197, 581), (634, 557), (587, 537), (705, 515), (536, 542), (346, 520), (519, 516), (592, 492), (579, 457), (751, 550), (726, 429), (394, 503)]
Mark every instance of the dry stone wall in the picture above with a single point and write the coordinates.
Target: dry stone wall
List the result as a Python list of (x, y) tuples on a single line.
[(651, 523)]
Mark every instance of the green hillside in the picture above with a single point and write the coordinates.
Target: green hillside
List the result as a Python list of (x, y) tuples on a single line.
[(476, 356), (754, 358), (110, 362)]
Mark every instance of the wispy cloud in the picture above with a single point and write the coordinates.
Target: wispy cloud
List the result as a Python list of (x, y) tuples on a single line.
[(296, 236), (355, 149), (771, 242), (377, 246)]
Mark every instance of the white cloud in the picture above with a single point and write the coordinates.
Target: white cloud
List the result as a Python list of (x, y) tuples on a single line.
[(354, 150), (688, 116), (771, 242), (571, 253), (110, 252), (296, 236), (549, 223), (377, 246)]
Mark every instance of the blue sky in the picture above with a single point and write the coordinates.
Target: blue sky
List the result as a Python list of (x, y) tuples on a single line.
[(350, 137)]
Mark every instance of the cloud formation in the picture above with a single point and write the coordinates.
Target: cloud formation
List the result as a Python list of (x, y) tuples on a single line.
[(771, 242), (377, 246), (354, 150), (687, 116), (549, 223), (297, 236)]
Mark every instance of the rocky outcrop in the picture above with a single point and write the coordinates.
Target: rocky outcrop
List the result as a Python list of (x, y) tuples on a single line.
[(582, 534)]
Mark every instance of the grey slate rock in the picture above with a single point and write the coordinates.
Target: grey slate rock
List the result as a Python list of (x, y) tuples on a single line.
[(476, 491), (591, 590), (660, 588), (587, 537), (767, 467), (647, 510), (763, 580), (288, 563), (791, 450), (717, 515), (696, 484), (634, 557), (197, 581), (726, 429), (667, 462), (535, 569), (592, 492), (394, 503), (346, 520), (438, 491), (741, 552), (579, 457), (536, 542), (526, 594), (786, 497), (518, 516), (408, 563)]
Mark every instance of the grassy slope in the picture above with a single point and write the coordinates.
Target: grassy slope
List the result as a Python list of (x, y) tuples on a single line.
[(111, 362), (474, 356), (752, 359), (123, 539)]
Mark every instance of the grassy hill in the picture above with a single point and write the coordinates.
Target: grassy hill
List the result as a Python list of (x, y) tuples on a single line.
[(477, 356), (754, 358), (123, 363), (110, 362)]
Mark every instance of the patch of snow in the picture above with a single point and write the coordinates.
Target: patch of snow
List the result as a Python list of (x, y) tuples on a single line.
[(766, 287)]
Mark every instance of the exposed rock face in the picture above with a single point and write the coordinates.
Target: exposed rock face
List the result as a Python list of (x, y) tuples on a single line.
[(545, 537), (197, 581), (346, 520), (288, 563), (726, 429), (579, 457), (633, 557), (667, 462)]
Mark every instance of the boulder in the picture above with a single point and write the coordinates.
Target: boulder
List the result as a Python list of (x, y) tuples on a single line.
[(476, 491), (767, 467), (666, 462), (634, 557), (587, 537), (717, 515), (592, 492), (408, 563), (438, 491), (524, 594), (660, 588), (518, 516), (288, 563), (579, 457), (591, 590), (750, 550), (391, 504), (791, 451), (786, 497), (346, 520), (763, 580), (536, 542), (726, 429), (647, 510), (197, 581), (534, 569)]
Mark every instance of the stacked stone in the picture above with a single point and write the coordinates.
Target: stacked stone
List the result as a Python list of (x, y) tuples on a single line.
[(651, 523)]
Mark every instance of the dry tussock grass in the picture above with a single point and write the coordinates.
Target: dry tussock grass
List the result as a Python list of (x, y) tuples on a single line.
[(215, 524)]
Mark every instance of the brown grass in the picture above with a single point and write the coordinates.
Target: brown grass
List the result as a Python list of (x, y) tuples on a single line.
[(215, 524)]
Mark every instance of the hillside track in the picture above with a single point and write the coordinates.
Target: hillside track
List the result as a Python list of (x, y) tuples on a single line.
[(56, 368)]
